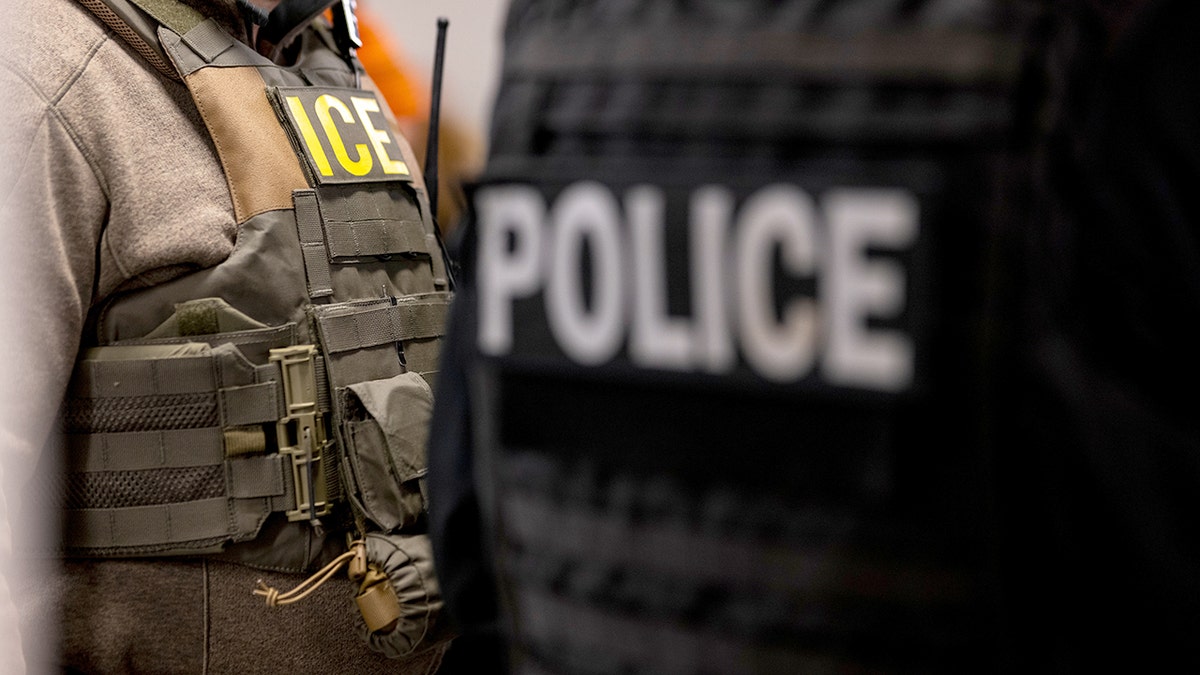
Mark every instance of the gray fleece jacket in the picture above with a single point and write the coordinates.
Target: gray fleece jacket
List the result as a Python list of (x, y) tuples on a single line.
[(109, 181)]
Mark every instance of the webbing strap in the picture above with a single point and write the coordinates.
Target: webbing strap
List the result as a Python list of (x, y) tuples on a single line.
[(583, 534), (346, 328), (919, 55), (142, 450), (375, 237), (255, 487), (263, 476), (312, 243), (251, 404), (144, 377), (147, 525), (549, 621), (172, 14)]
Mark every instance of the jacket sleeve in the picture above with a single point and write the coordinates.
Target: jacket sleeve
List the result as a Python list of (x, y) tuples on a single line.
[(52, 212)]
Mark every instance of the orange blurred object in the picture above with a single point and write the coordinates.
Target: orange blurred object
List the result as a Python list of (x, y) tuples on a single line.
[(384, 60), (408, 97)]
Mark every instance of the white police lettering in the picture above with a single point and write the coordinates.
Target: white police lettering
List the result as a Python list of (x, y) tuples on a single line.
[(857, 288), (510, 212), (777, 215), (527, 248), (586, 212), (656, 340)]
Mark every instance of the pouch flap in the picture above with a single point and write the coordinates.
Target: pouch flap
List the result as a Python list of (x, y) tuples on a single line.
[(401, 405)]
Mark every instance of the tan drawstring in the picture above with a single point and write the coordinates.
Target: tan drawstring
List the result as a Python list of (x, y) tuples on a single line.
[(277, 599)]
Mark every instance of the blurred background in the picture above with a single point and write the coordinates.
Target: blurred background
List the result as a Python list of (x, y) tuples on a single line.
[(400, 42)]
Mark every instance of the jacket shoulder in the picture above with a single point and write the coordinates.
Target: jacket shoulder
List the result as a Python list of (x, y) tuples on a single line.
[(48, 43)]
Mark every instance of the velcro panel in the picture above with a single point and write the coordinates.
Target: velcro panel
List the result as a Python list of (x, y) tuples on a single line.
[(349, 327), (140, 450), (178, 16), (260, 166), (255, 343), (147, 525)]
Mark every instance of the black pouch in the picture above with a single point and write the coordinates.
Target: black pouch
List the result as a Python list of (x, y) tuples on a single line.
[(385, 427)]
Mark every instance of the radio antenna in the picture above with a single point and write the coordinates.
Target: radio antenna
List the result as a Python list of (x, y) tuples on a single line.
[(435, 111)]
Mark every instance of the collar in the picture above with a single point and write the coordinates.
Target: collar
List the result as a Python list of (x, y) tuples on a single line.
[(281, 27), (288, 19)]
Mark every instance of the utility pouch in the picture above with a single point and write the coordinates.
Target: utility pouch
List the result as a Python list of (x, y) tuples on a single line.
[(407, 562), (385, 427)]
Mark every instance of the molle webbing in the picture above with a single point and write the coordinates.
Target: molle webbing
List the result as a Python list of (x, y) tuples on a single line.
[(414, 323), (158, 461), (368, 324), (216, 404), (370, 222)]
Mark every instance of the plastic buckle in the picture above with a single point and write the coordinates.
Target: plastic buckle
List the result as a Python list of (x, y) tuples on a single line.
[(301, 431)]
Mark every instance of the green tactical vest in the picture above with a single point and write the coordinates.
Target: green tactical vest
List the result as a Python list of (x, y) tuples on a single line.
[(261, 409)]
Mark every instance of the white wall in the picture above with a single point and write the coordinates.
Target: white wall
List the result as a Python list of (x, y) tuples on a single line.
[(473, 50)]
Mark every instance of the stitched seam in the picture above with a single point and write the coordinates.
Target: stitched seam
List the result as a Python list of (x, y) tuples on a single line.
[(53, 110), (106, 242), (238, 208), (74, 77)]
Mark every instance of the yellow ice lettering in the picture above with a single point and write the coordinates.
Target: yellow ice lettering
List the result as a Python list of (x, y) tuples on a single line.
[(310, 135), (378, 138), (359, 167)]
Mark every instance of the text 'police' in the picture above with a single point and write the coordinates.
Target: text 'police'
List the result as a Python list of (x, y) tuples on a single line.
[(528, 246)]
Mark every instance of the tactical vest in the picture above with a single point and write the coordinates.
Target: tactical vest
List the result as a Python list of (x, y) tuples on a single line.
[(264, 407), (729, 298)]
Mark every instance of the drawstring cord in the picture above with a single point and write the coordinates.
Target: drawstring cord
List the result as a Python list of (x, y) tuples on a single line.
[(305, 588)]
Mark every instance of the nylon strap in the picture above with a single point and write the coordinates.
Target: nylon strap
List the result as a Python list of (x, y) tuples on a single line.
[(346, 328), (663, 646), (263, 476), (951, 57), (375, 237), (256, 487), (312, 243), (251, 404), (583, 534), (208, 40), (142, 450), (148, 525), (133, 28), (144, 377)]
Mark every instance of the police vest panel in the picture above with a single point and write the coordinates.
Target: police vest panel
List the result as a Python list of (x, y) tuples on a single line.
[(730, 298)]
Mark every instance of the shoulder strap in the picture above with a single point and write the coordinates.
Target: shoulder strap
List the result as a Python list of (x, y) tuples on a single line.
[(137, 27)]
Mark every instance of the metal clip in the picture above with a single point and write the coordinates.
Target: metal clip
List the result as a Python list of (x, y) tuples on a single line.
[(301, 431)]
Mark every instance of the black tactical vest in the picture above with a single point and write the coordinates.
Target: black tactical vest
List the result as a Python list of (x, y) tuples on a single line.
[(263, 408), (729, 292)]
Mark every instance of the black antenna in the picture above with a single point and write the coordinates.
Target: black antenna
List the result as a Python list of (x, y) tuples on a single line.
[(435, 111)]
